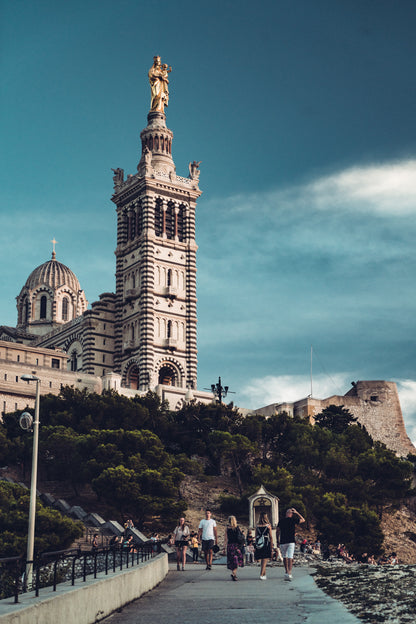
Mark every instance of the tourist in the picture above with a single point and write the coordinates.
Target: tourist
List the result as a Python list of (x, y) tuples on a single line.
[(155, 541), (181, 537), (207, 533), (233, 544), (249, 550), (94, 543), (194, 546), (128, 545), (287, 539), (263, 544)]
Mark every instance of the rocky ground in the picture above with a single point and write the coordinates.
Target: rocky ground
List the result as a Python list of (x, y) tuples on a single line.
[(372, 593)]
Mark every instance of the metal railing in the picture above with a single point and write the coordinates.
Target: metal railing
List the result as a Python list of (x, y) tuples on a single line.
[(52, 568)]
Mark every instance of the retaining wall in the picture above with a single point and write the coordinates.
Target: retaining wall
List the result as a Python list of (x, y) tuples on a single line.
[(88, 602)]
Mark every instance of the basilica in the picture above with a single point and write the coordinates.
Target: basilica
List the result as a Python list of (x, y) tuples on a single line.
[(143, 336)]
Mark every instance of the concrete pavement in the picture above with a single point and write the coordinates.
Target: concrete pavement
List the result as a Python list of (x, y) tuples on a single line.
[(199, 596)]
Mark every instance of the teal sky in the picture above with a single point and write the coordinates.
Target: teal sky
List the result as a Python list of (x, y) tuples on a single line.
[(303, 115)]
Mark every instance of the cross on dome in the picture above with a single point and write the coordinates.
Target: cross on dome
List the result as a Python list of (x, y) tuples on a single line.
[(53, 241)]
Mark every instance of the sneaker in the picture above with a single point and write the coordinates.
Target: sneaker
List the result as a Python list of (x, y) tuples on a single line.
[(289, 577), (263, 578), (286, 576)]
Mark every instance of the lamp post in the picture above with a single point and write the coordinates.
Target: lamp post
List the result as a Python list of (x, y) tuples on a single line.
[(219, 391), (33, 481)]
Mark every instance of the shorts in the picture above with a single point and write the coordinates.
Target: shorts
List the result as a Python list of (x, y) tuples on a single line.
[(181, 543), (207, 545), (287, 550)]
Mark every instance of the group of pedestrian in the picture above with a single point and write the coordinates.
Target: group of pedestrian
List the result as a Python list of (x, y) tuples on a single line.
[(207, 535), (235, 542), (263, 543)]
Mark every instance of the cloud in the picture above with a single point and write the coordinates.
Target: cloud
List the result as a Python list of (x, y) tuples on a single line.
[(407, 395), (287, 388), (263, 391), (388, 188), (385, 188)]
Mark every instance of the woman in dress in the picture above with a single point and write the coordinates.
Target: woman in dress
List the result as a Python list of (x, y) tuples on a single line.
[(263, 543), (181, 537), (233, 544)]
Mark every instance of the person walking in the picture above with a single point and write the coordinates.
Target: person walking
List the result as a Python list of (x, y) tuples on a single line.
[(233, 545), (181, 537), (207, 533), (194, 546), (263, 543), (286, 528)]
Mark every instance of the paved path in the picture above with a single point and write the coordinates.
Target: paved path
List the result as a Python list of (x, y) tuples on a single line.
[(199, 596)]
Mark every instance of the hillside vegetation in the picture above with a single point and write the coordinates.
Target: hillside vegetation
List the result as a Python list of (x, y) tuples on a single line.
[(134, 453)]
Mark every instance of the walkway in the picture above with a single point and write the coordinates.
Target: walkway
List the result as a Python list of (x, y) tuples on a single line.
[(199, 596)]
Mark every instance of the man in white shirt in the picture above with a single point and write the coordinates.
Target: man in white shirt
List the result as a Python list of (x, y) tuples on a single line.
[(208, 532)]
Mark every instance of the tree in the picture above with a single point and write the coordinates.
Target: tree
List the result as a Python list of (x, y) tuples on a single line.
[(236, 449), (335, 418), (53, 531)]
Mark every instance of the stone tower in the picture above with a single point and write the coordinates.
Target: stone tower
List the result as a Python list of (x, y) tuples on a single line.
[(155, 319)]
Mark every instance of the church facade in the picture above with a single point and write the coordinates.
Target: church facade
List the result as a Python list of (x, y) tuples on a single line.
[(144, 336)]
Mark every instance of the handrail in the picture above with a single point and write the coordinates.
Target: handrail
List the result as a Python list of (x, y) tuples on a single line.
[(52, 568)]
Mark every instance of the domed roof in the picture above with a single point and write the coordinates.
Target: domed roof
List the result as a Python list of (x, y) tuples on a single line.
[(53, 274)]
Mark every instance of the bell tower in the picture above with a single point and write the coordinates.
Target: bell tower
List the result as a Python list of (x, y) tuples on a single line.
[(155, 324)]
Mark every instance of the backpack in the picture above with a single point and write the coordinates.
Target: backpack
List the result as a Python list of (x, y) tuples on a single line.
[(260, 539), (240, 537)]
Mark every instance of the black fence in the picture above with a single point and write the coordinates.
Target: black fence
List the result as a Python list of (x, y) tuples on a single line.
[(52, 568)]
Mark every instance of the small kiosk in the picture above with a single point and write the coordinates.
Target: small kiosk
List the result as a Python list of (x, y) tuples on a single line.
[(263, 501)]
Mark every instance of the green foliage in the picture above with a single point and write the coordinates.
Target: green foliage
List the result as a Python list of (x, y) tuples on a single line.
[(335, 418), (135, 453), (234, 505), (52, 530), (356, 527)]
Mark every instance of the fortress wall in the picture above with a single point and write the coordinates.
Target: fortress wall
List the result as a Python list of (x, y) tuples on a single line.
[(376, 405)]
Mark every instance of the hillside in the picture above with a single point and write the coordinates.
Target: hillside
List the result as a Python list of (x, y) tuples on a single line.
[(399, 525)]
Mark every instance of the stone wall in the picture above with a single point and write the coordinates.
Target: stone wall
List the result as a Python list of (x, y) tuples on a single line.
[(375, 403)]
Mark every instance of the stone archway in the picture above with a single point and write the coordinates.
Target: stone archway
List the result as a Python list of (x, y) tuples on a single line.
[(133, 377), (167, 375)]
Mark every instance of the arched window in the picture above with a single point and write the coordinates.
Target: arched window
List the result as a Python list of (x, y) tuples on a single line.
[(158, 218), (65, 309), (139, 220), (74, 361), (170, 220), (43, 302), (169, 278), (169, 329), (132, 225), (133, 378), (167, 376), (181, 223)]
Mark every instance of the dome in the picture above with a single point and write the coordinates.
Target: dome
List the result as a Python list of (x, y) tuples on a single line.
[(53, 274)]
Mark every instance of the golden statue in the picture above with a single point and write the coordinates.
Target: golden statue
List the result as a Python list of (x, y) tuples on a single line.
[(159, 85)]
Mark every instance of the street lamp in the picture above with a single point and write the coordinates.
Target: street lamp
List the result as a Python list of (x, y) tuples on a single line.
[(219, 391), (32, 504)]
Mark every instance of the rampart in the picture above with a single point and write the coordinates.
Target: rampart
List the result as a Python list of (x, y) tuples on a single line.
[(375, 404)]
